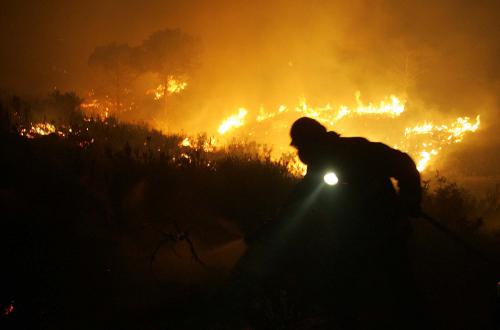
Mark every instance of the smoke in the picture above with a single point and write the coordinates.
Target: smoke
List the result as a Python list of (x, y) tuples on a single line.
[(442, 56)]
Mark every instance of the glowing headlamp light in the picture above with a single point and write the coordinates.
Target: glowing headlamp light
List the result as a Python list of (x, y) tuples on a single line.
[(331, 179)]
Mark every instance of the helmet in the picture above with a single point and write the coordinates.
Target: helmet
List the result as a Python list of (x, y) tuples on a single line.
[(305, 131)]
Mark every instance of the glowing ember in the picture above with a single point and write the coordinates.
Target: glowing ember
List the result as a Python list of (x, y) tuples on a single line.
[(233, 121), (9, 309)]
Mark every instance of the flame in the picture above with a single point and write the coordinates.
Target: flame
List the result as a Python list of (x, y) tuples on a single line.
[(423, 141), (438, 136), (103, 107), (390, 106), (185, 143), (296, 167), (453, 132), (237, 120), (157, 92), (263, 115), (38, 129), (100, 108), (174, 86), (425, 157), (206, 144), (210, 144), (43, 129)]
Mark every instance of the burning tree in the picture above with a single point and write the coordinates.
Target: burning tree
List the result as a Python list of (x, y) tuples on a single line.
[(172, 55)]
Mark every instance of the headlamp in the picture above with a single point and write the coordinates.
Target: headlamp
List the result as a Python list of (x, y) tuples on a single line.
[(331, 179)]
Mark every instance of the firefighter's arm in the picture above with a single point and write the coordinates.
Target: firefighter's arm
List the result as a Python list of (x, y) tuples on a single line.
[(401, 167)]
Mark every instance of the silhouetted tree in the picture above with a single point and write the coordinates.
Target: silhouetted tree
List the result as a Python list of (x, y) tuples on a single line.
[(170, 53), (66, 106), (118, 64), (21, 111), (5, 122)]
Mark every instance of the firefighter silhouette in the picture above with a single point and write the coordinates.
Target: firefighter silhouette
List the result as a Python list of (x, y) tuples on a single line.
[(363, 226), (339, 245)]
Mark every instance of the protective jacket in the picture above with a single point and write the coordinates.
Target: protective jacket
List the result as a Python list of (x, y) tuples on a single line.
[(378, 185), (332, 244)]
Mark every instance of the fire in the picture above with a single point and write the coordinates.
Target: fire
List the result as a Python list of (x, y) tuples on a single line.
[(38, 129), (390, 106), (423, 141), (174, 86), (296, 167), (96, 107), (157, 92), (435, 137), (207, 144), (263, 115), (425, 157), (41, 129), (237, 120), (185, 143), (453, 132)]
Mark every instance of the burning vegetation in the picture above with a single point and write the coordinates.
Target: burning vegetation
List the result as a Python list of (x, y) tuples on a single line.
[(174, 86), (154, 77), (422, 141)]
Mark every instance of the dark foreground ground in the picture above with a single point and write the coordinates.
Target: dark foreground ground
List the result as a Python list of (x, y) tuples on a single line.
[(133, 231)]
